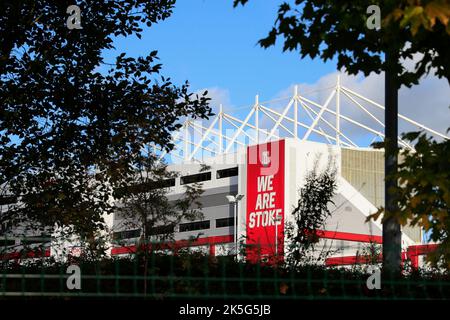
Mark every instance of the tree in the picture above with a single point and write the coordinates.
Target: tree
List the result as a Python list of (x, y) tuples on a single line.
[(330, 29), (311, 213), (143, 204), (424, 191), (71, 123)]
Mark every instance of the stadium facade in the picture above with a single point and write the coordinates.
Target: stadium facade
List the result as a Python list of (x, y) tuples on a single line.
[(258, 161), (262, 158)]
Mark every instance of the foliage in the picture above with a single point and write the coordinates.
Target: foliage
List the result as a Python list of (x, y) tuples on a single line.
[(144, 203), (424, 191), (421, 14), (329, 29), (71, 123), (310, 214), (370, 254), (199, 276)]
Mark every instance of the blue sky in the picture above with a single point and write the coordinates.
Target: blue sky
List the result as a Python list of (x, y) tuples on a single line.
[(212, 44)]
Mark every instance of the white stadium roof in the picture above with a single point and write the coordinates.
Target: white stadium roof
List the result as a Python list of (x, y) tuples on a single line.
[(335, 122)]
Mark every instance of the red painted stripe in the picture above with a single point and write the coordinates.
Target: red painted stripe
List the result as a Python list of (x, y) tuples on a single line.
[(421, 249), (349, 260), (358, 237), (25, 255), (123, 250), (413, 252), (177, 244), (347, 236), (205, 241)]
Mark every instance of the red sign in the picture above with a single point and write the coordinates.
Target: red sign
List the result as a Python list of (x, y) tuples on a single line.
[(265, 202)]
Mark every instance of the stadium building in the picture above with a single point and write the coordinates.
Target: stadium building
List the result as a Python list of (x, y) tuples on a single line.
[(258, 159), (257, 163)]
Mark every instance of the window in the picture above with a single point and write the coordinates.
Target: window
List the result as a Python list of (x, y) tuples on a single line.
[(5, 242), (152, 185), (192, 226), (160, 230), (33, 240), (199, 177), (165, 183), (5, 226), (224, 222), (127, 234), (146, 186), (226, 173), (4, 200)]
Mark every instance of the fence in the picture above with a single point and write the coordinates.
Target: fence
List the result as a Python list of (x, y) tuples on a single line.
[(190, 275)]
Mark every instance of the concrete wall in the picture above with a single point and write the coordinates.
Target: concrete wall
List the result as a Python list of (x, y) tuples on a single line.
[(360, 190), (364, 170)]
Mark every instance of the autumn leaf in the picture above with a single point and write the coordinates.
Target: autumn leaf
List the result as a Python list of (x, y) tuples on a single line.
[(284, 288), (438, 10), (375, 216)]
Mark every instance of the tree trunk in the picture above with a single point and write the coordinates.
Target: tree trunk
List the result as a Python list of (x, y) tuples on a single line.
[(391, 227), (144, 230)]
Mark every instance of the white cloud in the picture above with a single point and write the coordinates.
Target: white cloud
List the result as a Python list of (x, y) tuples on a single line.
[(427, 103), (218, 96)]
